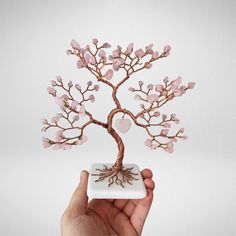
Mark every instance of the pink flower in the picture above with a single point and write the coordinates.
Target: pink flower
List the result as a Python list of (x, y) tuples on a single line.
[(159, 88), (155, 55), (178, 92), (176, 83), (116, 67), (170, 145), (156, 113), (74, 44), (78, 87), (176, 121), (44, 129), (164, 93), (96, 87), (74, 105), (59, 79), (106, 45), (166, 79), (52, 91), (102, 53), (110, 57), (120, 61), (185, 137), (129, 48), (137, 97), (181, 130), (82, 111), (86, 57), (87, 48), (150, 86), (60, 115), (169, 149), (140, 83), (117, 63), (53, 82), (164, 132), (44, 121), (65, 97), (148, 65), (46, 143), (55, 119), (75, 118), (68, 52), (142, 106), (139, 53), (59, 135), (167, 125), (164, 116), (191, 85), (91, 98), (80, 64), (83, 51), (119, 48), (61, 101), (167, 49), (84, 138), (70, 84), (148, 142), (131, 89), (152, 98), (182, 88), (116, 53), (142, 116), (149, 49), (92, 60), (95, 41), (79, 142), (109, 74)]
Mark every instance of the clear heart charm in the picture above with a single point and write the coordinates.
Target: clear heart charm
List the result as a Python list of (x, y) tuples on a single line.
[(123, 125)]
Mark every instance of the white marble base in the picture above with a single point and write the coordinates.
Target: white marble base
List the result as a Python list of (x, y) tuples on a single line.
[(101, 190)]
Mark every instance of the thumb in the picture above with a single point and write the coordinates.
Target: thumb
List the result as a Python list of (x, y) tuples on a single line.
[(79, 200)]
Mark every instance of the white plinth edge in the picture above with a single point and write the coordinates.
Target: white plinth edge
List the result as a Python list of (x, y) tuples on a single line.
[(100, 190)]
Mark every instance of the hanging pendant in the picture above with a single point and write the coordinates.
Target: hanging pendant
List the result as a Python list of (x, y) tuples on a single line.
[(123, 125)]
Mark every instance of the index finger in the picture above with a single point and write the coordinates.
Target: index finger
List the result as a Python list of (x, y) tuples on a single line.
[(146, 173)]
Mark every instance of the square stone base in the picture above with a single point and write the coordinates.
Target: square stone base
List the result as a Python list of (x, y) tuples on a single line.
[(100, 190)]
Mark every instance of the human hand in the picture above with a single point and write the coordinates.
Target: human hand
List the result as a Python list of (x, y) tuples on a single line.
[(105, 217)]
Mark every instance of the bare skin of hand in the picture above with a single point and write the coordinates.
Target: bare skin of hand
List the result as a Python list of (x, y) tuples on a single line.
[(105, 217)]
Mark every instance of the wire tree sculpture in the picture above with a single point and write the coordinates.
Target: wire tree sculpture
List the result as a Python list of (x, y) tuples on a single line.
[(103, 66)]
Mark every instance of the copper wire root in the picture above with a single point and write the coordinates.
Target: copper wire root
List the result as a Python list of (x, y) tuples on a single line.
[(117, 175)]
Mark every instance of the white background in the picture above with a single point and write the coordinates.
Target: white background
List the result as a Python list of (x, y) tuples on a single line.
[(195, 186)]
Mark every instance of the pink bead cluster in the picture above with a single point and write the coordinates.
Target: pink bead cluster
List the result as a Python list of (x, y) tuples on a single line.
[(155, 96), (72, 111), (128, 59)]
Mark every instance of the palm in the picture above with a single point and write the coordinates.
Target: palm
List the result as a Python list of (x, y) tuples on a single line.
[(115, 217)]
